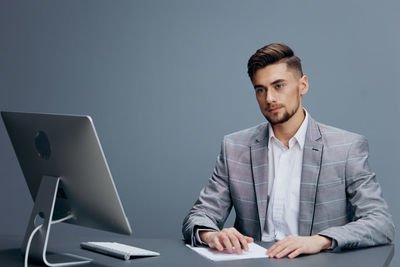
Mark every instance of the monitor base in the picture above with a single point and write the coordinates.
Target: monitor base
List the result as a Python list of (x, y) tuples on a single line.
[(64, 259), (37, 234)]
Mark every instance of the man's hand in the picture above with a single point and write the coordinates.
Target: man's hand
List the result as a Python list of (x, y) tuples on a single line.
[(296, 245), (226, 238)]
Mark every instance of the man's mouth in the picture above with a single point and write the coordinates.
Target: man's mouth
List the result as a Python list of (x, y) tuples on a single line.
[(274, 109)]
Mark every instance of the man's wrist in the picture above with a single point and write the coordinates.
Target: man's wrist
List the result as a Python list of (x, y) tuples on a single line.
[(203, 235), (326, 242)]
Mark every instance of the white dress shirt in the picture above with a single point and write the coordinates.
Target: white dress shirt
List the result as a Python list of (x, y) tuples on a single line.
[(284, 172)]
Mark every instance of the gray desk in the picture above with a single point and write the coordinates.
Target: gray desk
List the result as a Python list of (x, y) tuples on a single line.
[(174, 253)]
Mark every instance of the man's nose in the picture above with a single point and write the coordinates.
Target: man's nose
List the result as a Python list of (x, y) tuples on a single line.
[(270, 96)]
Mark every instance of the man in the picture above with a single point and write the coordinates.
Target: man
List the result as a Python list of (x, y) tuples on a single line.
[(293, 180)]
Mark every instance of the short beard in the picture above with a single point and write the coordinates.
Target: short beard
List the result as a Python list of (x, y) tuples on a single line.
[(286, 116)]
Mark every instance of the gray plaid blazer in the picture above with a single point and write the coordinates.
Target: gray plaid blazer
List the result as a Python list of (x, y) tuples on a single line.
[(339, 195)]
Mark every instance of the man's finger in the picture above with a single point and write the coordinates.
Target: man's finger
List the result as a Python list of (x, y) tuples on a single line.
[(275, 250), (243, 242), (241, 238), (295, 253), (273, 247), (235, 242), (278, 246), (235, 231), (285, 251), (216, 244), (227, 243), (249, 239)]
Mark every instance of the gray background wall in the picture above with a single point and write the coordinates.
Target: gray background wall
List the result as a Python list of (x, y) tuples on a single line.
[(165, 80)]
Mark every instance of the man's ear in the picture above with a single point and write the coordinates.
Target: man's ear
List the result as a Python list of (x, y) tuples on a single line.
[(303, 85)]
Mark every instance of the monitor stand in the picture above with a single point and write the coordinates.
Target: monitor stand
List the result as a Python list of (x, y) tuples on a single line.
[(44, 207)]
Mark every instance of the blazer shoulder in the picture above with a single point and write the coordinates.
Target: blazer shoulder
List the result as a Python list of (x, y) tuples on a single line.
[(248, 136), (335, 136)]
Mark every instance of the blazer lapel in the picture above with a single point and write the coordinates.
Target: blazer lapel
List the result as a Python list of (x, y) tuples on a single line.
[(259, 165), (312, 156)]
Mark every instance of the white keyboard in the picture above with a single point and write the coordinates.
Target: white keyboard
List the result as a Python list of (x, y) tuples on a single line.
[(119, 250)]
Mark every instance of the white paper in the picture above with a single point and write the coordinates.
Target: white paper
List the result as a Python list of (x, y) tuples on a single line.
[(255, 251)]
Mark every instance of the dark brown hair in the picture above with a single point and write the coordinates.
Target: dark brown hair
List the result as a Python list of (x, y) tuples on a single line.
[(273, 53)]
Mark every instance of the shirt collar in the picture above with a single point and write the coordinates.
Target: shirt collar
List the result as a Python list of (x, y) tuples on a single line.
[(300, 135)]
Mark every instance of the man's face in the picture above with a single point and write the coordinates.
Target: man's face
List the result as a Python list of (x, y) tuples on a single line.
[(278, 91)]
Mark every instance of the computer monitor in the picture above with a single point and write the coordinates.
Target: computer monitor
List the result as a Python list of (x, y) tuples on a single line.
[(67, 175)]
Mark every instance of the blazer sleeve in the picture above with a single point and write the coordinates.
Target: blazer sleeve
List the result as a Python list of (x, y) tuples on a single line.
[(372, 222), (214, 203)]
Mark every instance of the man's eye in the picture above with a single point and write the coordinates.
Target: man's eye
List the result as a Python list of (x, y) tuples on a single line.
[(260, 90), (279, 85)]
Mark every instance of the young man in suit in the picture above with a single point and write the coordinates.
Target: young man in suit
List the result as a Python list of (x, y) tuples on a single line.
[(303, 184)]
